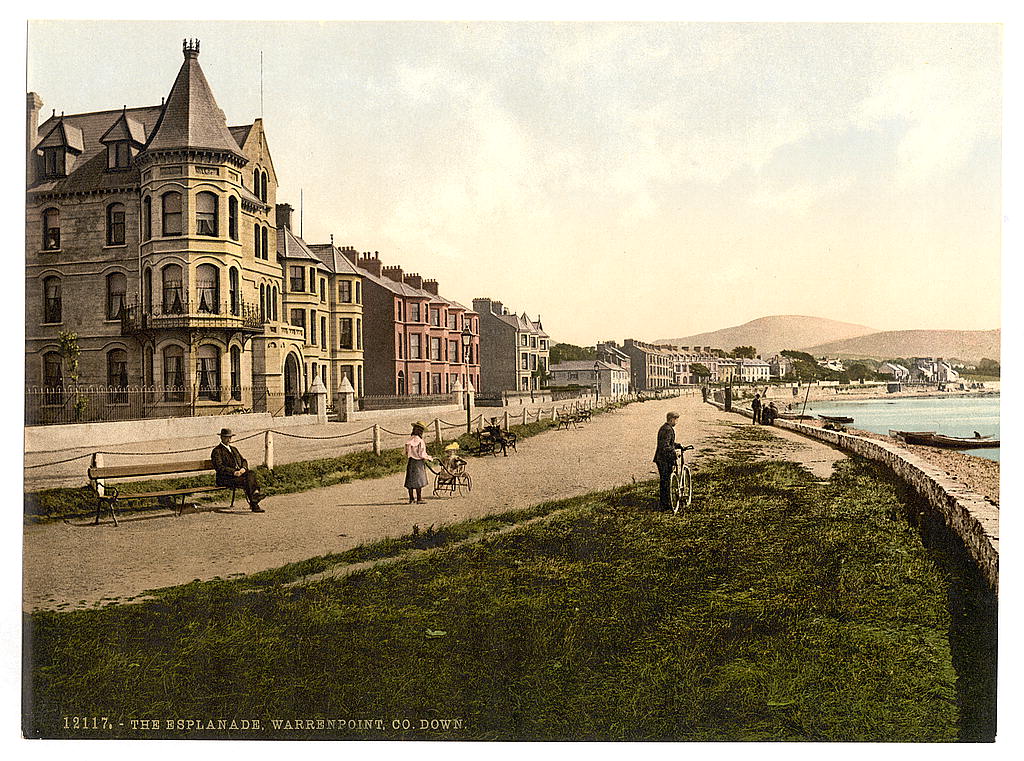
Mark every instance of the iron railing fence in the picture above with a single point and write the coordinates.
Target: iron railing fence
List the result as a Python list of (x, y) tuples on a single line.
[(395, 402), (174, 313), (99, 403)]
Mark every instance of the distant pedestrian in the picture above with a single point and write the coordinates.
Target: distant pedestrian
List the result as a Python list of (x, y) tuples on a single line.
[(769, 413), (416, 468), (665, 459), (233, 470), (755, 407)]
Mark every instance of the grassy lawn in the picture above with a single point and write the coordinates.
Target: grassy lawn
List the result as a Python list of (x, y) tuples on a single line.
[(779, 608)]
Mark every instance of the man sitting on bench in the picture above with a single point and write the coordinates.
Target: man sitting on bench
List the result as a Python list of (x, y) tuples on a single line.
[(233, 470), (497, 435)]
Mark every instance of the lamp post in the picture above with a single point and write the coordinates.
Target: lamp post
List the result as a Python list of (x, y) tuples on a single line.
[(467, 339), (597, 383)]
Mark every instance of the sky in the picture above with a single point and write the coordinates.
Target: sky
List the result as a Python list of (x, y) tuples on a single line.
[(646, 180)]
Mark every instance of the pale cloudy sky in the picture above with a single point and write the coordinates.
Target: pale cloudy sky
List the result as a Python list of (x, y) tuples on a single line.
[(648, 180)]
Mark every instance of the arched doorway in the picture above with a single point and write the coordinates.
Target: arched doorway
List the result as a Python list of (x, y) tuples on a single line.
[(292, 387)]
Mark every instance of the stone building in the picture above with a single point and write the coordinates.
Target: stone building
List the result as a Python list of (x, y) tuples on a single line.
[(610, 380), (515, 350), (152, 238), (651, 366)]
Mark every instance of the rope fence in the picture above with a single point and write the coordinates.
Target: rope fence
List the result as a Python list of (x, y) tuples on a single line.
[(321, 438)]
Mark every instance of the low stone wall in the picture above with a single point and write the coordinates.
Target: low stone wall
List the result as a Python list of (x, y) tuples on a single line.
[(56, 438), (974, 519)]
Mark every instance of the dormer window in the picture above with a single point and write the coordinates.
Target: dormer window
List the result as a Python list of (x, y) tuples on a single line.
[(119, 155), (53, 163)]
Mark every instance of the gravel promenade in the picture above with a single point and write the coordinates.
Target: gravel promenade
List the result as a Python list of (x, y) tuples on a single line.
[(81, 564)]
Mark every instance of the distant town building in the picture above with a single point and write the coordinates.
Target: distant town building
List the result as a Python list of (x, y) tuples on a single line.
[(686, 361), (610, 352), (754, 371), (651, 366), (933, 370), (896, 372), (611, 380), (780, 366), (835, 365), (514, 350)]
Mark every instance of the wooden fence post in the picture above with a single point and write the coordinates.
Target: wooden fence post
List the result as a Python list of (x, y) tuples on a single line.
[(437, 430), (268, 449), (376, 439), (506, 420)]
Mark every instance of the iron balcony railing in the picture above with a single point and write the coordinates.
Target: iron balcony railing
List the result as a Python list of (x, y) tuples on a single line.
[(175, 313)]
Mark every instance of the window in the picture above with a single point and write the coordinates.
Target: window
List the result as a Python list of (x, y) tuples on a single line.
[(206, 214), (312, 280), (359, 333), (117, 376), (119, 155), (263, 187), (233, 217), (299, 320), (51, 230), (53, 378), (323, 333), (435, 349), (174, 374), (345, 337), (208, 372), (525, 362), (273, 304), (414, 312), (452, 321), (52, 302), (233, 292), (297, 279), (359, 292), (147, 290), (173, 301), (415, 383), (171, 213), (117, 288), (453, 351), (256, 246), (522, 339), (147, 367), (263, 302), (323, 290), (414, 346), (345, 291), (208, 288), (236, 373), (435, 383), (147, 218), (401, 382), (346, 372), (401, 346), (435, 317), (53, 162), (264, 244), (359, 390), (312, 326)]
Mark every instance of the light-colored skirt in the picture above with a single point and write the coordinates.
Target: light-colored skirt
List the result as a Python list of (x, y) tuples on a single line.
[(415, 474)]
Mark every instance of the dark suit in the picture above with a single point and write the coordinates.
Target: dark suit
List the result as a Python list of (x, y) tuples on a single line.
[(665, 459), (226, 460)]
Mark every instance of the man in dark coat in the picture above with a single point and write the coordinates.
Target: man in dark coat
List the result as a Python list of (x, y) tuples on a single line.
[(233, 470), (755, 407), (665, 458)]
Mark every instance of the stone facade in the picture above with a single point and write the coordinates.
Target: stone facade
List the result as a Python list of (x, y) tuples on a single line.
[(515, 349)]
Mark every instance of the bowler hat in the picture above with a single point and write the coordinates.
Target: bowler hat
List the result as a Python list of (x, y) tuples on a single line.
[(226, 432)]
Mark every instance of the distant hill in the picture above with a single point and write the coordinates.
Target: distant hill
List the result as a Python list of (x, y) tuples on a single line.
[(770, 335), (968, 345)]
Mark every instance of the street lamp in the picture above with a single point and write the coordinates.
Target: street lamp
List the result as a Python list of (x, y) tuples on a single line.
[(597, 383), (467, 339)]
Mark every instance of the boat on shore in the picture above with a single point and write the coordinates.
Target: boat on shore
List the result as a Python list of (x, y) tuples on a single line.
[(836, 418), (933, 439), (794, 416)]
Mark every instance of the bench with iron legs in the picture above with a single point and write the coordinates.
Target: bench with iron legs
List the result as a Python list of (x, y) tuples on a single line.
[(108, 496)]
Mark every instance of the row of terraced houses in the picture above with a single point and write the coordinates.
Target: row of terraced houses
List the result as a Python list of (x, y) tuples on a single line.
[(161, 267)]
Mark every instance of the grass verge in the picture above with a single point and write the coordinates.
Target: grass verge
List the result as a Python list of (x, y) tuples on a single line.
[(779, 608)]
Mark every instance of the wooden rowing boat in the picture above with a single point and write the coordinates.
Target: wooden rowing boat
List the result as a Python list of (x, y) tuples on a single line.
[(933, 439), (836, 418)]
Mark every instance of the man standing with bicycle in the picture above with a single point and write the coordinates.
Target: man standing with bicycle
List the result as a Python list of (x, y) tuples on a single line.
[(665, 458)]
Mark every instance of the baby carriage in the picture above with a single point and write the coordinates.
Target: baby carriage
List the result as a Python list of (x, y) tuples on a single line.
[(451, 475)]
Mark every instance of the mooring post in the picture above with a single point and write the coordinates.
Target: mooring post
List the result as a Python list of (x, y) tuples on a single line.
[(268, 449), (376, 438), (437, 430)]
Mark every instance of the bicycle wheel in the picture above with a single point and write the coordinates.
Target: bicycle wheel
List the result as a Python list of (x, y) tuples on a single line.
[(674, 489), (686, 488)]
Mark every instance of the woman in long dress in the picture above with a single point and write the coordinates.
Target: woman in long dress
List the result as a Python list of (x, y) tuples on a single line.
[(415, 468)]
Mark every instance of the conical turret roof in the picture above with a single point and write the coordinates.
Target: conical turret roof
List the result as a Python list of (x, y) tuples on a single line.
[(191, 117)]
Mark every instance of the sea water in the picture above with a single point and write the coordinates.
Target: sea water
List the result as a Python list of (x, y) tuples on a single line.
[(953, 416)]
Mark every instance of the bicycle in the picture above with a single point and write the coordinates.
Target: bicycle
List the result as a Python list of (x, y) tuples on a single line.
[(681, 482)]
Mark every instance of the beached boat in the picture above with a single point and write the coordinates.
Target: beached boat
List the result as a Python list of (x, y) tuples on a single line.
[(932, 439), (794, 416), (836, 418)]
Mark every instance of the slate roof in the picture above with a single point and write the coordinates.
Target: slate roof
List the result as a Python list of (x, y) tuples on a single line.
[(577, 365), (191, 117), (291, 246), (333, 258)]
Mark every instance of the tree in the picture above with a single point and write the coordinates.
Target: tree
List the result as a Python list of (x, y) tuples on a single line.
[(744, 352), (795, 355), (859, 372), (988, 367), (568, 353), (700, 370)]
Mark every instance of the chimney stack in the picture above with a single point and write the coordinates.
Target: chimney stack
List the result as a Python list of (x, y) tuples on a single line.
[(370, 264), (350, 254), (284, 215), (414, 281), (430, 286), (34, 103), (394, 272)]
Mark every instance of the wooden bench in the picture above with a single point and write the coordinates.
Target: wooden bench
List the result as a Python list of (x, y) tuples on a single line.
[(565, 419), (110, 494)]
